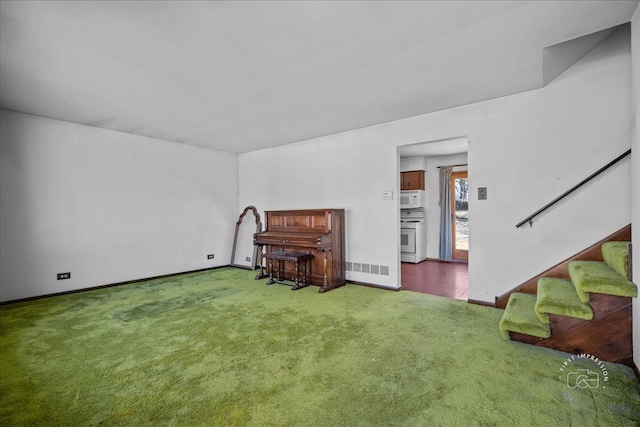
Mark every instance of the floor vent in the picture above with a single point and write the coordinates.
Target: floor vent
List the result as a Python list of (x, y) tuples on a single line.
[(367, 268)]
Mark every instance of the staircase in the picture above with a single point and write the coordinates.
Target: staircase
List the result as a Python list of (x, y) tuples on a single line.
[(584, 310)]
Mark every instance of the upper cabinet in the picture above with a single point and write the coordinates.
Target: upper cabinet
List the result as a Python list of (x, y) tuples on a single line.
[(412, 180)]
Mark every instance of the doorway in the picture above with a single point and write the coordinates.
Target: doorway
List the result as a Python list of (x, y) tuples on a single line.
[(433, 276), (460, 215)]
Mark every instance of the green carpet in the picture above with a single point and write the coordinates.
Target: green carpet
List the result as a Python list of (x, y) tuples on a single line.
[(217, 348), (616, 254), (559, 296), (598, 277)]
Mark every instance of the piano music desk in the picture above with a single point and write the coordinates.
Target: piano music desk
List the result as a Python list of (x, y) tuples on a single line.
[(296, 258)]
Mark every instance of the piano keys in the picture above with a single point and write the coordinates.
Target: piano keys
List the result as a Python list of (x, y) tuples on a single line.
[(318, 232)]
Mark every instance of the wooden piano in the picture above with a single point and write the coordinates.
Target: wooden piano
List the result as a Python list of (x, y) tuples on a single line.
[(319, 232)]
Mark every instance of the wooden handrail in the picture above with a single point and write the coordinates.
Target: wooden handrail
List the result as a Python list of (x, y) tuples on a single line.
[(529, 219)]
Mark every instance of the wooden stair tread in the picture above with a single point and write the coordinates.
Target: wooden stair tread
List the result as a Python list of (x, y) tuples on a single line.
[(601, 305), (607, 337)]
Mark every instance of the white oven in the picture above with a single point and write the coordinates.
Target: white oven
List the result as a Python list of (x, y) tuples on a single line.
[(410, 199), (407, 240), (413, 235)]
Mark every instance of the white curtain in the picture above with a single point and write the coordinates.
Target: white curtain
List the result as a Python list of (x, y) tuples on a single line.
[(445, 214)]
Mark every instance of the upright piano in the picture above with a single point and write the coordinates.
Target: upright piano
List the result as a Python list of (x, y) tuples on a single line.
[(319, 232)]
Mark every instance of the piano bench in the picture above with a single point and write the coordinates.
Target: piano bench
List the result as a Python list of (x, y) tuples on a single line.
[(296, 258)]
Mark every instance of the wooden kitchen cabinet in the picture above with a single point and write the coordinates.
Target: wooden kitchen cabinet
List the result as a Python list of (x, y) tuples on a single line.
[(412, 180)]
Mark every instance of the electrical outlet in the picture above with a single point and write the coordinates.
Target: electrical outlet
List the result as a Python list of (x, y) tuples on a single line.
[(248, 259), (482, 193), (64, 276), (210, 256)]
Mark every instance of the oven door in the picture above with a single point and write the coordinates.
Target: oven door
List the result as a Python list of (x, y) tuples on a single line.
[(408, 240)]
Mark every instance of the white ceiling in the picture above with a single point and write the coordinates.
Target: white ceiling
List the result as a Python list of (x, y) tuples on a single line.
[(242, 76)]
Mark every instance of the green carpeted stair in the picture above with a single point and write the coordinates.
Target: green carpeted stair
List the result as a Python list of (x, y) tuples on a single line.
[(529, 314), (520, 316), (559, 296), (598, 277), (615, 254)]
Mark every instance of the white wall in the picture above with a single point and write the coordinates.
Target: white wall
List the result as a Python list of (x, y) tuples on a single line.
[(106, 206), (415, 163), (432, 192), (332, 172), (635, 195), (527, 149)]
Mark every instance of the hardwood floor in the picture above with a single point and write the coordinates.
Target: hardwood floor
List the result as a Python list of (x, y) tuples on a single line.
[(447, 279)]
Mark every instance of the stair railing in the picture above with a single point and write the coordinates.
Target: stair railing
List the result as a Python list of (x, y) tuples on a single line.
[(530, 218)]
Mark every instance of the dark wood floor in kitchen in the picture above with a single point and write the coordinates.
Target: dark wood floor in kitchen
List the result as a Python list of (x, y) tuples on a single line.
[(447, 279)]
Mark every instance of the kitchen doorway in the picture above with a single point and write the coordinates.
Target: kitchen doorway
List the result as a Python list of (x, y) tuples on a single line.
[(433, 276), (460, 215)]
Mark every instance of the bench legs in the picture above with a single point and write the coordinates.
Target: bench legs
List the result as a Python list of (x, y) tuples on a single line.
[(277, 279), (298, 284), (304, 276)]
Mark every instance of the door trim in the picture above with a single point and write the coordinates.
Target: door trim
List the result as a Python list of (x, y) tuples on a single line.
[(458, 254)]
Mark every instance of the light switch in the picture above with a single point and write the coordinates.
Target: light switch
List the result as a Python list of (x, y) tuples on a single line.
[(482, 193), (387, 195)]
